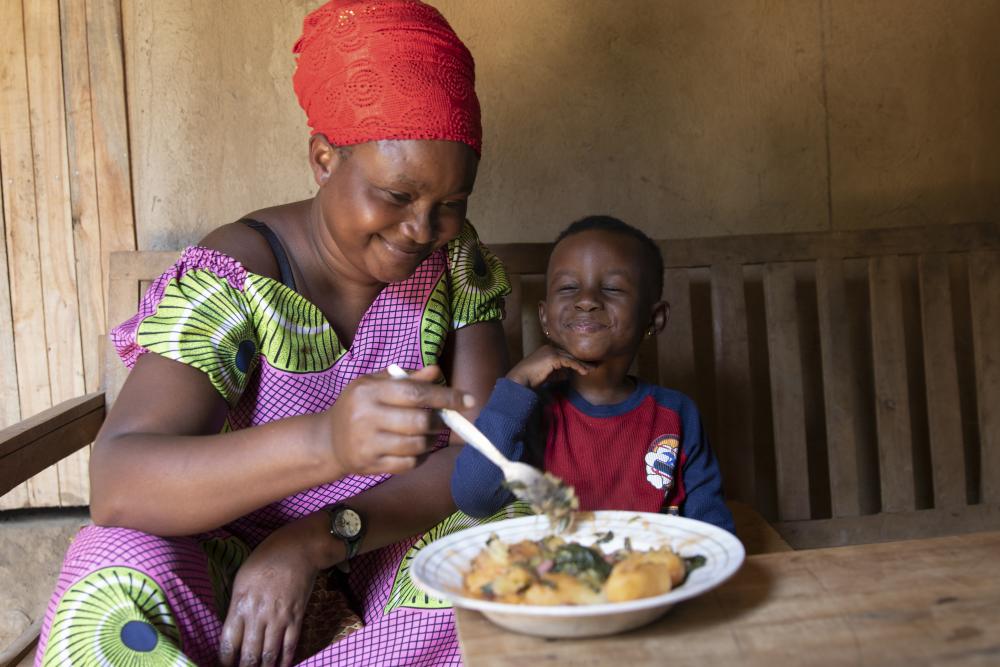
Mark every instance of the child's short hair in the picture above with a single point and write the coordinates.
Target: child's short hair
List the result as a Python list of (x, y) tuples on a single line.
[(653, 258)]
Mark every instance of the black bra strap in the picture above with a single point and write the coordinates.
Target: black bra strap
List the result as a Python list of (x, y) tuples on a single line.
[(287, 279)]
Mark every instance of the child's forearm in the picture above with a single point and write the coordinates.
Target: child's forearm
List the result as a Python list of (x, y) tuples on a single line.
[(476, 484)]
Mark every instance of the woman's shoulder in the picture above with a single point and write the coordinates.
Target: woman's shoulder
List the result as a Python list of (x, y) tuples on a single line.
[(245, 245)]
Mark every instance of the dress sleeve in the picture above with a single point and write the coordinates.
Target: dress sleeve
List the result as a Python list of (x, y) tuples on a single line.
[(478, 280), (198, 314)]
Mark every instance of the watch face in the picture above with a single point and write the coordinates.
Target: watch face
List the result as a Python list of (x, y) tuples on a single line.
[(347, 522)]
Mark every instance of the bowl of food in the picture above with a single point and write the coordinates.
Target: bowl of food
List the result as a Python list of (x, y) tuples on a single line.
[(614, 571)]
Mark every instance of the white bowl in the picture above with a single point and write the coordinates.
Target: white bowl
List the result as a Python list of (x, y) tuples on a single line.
[(439, 567)]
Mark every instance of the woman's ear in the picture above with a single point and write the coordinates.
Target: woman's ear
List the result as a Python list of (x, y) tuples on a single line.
[(660, 315), (323, 159)]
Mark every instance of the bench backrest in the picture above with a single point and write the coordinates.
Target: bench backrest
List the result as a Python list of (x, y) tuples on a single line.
[(843, 376)]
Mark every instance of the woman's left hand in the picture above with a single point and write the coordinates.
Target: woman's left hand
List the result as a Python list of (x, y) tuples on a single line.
[(269, 598)]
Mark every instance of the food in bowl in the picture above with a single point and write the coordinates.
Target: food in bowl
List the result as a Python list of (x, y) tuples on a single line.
[(553, 571)]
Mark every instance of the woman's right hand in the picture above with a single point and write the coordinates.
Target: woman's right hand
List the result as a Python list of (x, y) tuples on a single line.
[(382, 425), (542, 364)]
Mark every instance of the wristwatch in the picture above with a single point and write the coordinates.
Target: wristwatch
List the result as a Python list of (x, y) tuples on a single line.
[(347, 525)]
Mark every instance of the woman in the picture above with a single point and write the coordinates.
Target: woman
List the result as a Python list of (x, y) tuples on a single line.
[(255, 442)]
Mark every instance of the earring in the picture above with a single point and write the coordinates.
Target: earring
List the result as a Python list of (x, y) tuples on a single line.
[(651, 332), (546, 333)]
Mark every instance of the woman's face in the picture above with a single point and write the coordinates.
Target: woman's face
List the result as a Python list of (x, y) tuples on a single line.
[(387, 205)]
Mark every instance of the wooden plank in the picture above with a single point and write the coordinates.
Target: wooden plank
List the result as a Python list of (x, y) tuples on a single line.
[(23, 647), (523, 258), (83, 183), (40, 441), (141, 265), (887, 527), (787, 404), (10, 410), (732, 442), (809, 246), (843, 431), (944, 415), (984, 294), (123, 298), (675, 344), (897, 603), (24, 270), (110, 128), (892, 411), (43, 52), (512, 320), (784, 247), (74, 478), (128, 270), (757, 535)]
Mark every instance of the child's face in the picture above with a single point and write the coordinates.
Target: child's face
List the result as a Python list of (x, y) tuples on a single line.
[(597, 306)]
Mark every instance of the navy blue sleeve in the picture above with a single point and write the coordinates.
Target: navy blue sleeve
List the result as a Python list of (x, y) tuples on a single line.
[(701, 475), (476, 484)]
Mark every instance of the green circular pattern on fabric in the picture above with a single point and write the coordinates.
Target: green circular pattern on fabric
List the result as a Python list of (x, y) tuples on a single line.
[(404, 592), (114, 616)]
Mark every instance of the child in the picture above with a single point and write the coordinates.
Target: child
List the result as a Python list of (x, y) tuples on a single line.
[(572, 409)]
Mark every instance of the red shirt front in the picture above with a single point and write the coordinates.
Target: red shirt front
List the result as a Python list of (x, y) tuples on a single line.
[(625, 456)]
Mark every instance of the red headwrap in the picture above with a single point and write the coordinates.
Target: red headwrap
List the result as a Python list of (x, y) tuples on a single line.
[(385, 69)]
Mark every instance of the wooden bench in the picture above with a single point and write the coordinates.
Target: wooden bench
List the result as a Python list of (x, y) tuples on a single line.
[(850, 381)]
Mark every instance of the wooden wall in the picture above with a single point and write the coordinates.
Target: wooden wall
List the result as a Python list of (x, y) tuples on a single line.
[(67, 203), (150, 122)]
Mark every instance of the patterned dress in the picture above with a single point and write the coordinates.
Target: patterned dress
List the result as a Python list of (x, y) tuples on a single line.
[(128, 598)]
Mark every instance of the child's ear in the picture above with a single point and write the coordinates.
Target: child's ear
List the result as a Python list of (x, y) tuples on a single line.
[(323, 159), (659, 317), (543, 318)]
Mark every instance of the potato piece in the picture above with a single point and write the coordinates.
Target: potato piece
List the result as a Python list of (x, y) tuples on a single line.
[(512, 581), (635, 578), (670, 560), (560, 588), (524, 551)]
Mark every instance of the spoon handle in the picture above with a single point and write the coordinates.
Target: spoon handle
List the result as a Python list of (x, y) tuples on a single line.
[(463, 427)]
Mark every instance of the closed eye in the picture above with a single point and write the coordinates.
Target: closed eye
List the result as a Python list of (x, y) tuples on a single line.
[(398, 197)]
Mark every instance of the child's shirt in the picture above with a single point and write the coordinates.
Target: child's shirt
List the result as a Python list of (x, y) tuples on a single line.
[(648, 453)]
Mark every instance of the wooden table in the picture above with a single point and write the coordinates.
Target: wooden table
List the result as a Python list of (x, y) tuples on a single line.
[(917, 602)]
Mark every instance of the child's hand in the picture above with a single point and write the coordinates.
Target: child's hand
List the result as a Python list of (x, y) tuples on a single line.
[(542, 364)]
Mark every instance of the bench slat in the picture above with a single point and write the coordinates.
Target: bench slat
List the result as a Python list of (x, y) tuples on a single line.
[(984, 288), (944, 415), (734, 417), (787, 403), (512, 320), (840, 391), (892, 403), (675, 344)]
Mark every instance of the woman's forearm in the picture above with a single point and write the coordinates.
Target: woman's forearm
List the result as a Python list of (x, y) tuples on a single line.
[(179, 485), (408, 504)]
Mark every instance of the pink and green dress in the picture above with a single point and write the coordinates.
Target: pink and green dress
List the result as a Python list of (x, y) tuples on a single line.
[(128, 598)]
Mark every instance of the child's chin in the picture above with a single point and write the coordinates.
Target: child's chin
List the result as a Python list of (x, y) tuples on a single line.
[(587, 355)]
